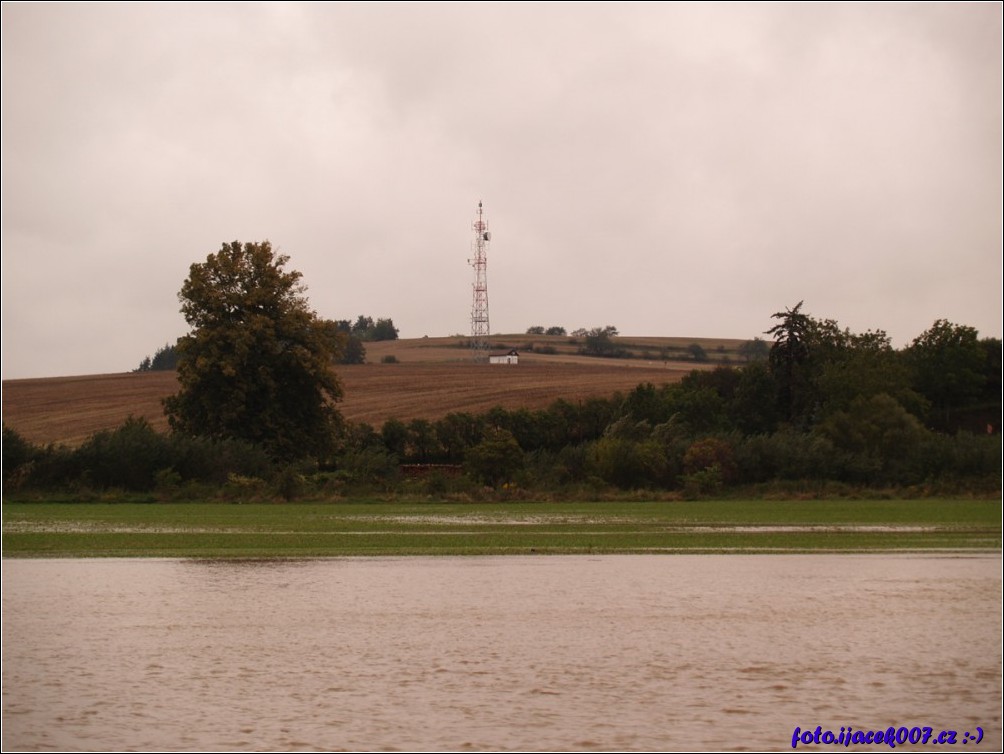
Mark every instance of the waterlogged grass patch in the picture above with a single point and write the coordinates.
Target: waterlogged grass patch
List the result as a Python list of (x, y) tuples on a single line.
[(216, 530), (94, 527)]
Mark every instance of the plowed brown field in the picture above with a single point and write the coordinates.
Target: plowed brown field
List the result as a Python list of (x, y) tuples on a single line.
[(69, 409)]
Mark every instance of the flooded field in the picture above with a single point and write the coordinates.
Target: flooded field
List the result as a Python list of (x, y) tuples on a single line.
[(628, 652)]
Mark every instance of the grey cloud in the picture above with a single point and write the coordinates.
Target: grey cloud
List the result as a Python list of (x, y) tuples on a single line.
[(672, 169)]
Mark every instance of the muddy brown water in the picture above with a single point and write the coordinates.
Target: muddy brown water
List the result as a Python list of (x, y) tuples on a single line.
[(525, 653)]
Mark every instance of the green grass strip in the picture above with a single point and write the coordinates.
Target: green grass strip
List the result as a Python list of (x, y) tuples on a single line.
[(216, 530)]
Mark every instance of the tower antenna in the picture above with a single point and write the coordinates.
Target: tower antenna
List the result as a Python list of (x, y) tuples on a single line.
[(480, 331)]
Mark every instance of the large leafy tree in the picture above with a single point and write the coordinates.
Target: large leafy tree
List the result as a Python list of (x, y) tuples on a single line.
[(863, 366), (599, 341), (257, 364), (789, 360), (949, 369), (494, 460)]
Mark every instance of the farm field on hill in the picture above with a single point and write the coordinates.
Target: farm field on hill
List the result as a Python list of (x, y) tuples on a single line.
[(643, 351), (377, 392), (433, 378)]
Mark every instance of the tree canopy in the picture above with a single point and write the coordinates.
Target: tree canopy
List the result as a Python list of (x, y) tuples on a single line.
[(599, 342), (541, 330), (948, 365), (787, 357), (365, 328), (164, 360), (257, 364)]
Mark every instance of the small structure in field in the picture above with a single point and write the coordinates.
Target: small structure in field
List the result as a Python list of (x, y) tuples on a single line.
[(506, 358)]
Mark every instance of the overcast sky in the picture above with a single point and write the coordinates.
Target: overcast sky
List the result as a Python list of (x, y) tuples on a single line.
[(674, 169)]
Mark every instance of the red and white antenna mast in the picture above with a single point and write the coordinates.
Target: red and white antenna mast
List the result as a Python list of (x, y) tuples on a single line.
[(480, 331)]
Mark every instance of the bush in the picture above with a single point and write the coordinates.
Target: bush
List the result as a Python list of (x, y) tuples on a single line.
[(244, 488), (494, 460), (289, 483), (880, 438), (706, 481), (629, 464), (371, 465), (435, 483), (18, 455), (137, 458), (573, 464), (961, 457), (128, 457), (167, 481), (204, 460), (711, 453), (53, 467), (787, 455), (697, 352)]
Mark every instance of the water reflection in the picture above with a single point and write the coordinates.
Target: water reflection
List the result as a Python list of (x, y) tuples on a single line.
[(527, 653)]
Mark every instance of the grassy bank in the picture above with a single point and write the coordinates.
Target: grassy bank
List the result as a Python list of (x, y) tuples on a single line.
[(216, 530)]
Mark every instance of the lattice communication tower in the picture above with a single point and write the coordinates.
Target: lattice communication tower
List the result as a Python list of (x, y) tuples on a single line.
[(480, 331)]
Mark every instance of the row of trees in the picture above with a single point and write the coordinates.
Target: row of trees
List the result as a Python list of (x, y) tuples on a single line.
[(132, 457), (350, 337), (602, 442), (539, 330), (599, 341), (366, 329), (948, 377), (682, 437), (350, 343), (828, 404)]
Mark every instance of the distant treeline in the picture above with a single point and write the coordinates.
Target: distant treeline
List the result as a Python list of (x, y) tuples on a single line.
[(827, 407), (164, 360), (599, 342), (351, 351)]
